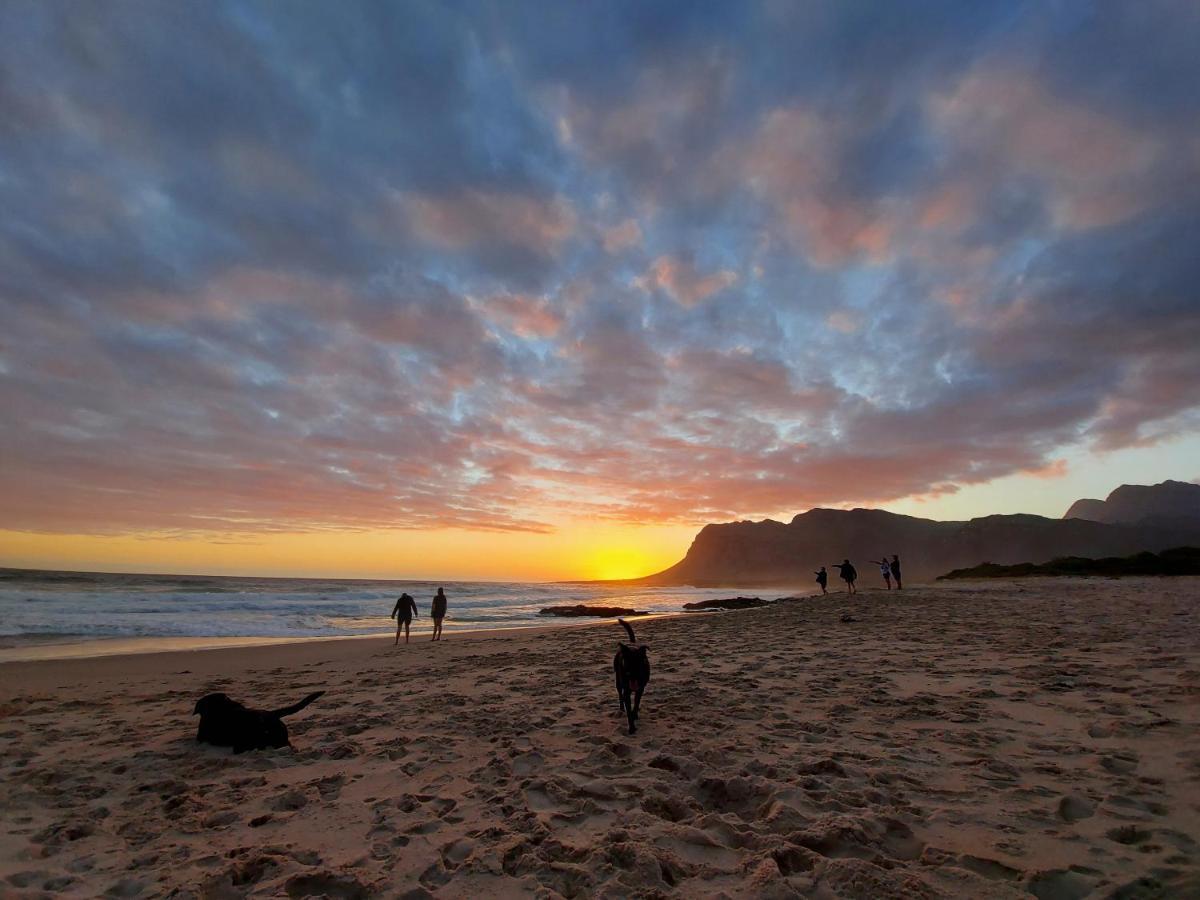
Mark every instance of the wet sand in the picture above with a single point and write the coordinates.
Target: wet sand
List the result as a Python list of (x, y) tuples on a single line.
[(982, 739)]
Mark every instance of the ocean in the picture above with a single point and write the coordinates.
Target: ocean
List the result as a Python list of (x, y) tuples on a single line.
[(43, 608)]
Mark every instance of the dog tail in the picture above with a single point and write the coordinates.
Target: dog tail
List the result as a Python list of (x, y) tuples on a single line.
[(628, 630), (296, 707)]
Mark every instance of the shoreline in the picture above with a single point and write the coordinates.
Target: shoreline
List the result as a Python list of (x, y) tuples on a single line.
[(973, 740), (63, 673), (133, 653)]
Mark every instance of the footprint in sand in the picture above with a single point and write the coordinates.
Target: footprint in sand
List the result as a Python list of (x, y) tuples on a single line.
[(1072, 809), (1060, 884), (327, 884), (528, 763)]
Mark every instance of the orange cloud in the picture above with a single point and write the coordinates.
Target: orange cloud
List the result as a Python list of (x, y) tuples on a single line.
[(1056, 468)]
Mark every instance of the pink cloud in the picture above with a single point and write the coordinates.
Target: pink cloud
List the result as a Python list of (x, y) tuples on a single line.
[(622, 236), (844, 321), (681, 280), (524, 315), (469, 217), (1096, 169), (792, 162)]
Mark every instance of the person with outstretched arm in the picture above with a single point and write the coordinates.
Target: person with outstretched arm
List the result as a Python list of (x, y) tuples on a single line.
[(849, 575), (884, 569), (403, 612)]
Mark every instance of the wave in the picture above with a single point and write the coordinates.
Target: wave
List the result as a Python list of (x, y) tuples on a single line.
[(103, 605)]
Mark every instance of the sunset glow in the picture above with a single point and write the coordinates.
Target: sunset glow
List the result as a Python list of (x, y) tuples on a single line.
[(518, 292)]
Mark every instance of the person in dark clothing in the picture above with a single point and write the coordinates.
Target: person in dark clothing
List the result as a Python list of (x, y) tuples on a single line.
[(438, 612), (894, 565), (849, 575), (822, 579), (403, 612)]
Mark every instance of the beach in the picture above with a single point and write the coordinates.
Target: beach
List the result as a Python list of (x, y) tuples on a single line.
[(48, 614), (982, 739)]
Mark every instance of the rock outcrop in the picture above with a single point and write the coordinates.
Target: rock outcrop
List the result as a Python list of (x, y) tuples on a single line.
[(1133, 503), (581, 610), (776, 553), (728, 603)]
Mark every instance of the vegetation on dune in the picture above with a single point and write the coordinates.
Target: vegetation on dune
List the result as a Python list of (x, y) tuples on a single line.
[(1178, 561)]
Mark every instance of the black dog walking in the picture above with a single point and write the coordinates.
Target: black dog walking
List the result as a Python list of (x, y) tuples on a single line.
[(632, 668)]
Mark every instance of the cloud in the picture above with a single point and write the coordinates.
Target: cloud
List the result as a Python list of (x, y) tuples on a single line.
[(330, 270), (681, 280), (528, 317), (622, 236), (475, 217), (1096, 169)]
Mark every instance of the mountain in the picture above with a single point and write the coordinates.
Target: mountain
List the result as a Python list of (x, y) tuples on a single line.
[(775, 553), (1133, 503)]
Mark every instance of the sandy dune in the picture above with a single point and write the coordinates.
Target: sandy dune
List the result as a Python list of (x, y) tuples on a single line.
[(987, 740)]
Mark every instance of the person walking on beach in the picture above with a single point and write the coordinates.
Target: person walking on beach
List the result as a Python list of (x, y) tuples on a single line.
[(438, 612), (894, 565), (849, 575), (822, 579), (884, 569), (403, 612)]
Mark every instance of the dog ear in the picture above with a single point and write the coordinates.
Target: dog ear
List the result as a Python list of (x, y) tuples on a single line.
[(206, 702)]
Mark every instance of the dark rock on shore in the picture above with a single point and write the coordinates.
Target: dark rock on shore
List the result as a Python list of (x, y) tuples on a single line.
[(729, 603), (580, 610)]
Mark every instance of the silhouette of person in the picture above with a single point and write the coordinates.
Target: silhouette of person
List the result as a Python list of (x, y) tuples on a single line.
[(884, 570), (822, 579), (438, 612), (403, 612), (895, 567), (849, 575)]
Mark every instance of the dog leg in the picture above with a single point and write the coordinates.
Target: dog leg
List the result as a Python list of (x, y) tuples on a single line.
[(620, 683)]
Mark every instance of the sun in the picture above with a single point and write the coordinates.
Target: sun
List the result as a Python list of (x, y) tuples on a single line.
[(613, 563)]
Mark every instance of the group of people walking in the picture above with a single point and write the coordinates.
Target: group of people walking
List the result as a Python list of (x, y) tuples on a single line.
[(406, 608), (889, 569)]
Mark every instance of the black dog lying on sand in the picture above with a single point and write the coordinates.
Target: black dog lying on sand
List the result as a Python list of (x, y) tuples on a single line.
[(226, 723), (632, 667)]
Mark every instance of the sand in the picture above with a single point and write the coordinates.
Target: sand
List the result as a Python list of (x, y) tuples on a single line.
[(980, 739)]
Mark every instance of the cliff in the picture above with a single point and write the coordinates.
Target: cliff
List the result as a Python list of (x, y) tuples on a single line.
[(775, 553), (1133, 503)]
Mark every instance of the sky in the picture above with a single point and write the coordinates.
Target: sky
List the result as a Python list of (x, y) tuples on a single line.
[(510, 290)]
